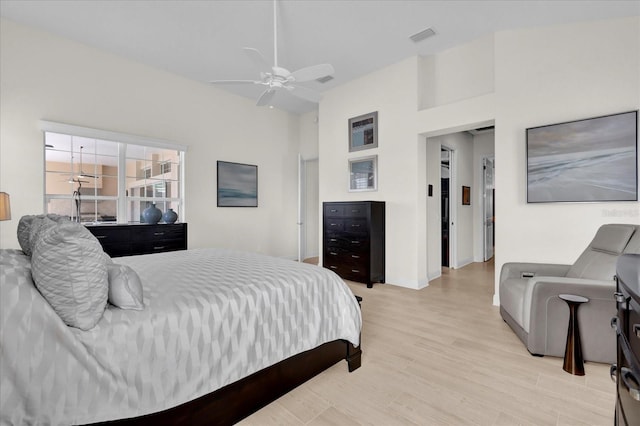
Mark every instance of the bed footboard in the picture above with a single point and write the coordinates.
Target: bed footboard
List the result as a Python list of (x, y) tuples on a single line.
[(238, 400)]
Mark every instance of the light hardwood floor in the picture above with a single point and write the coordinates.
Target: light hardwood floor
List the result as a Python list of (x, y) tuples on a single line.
[(443, 356)]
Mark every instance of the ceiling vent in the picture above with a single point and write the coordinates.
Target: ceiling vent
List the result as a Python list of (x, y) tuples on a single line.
[(422, 35), (324, 79)]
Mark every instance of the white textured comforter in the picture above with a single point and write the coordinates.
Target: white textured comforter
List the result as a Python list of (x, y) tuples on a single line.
[(211, 317)]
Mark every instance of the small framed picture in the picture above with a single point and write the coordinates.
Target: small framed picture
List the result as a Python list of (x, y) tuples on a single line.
[(466, 196), (363, 132), (237, 185), (363, 174)]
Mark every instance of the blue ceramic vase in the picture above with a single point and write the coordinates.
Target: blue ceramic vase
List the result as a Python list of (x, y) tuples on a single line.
[(152, 214), (170, 216)]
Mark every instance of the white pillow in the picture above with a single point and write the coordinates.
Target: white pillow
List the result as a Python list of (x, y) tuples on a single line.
[(69, 268), (125, 288)]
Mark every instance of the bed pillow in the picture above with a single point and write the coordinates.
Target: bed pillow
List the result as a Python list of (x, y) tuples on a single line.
[(28, 227), (69, 268), (125, 288)]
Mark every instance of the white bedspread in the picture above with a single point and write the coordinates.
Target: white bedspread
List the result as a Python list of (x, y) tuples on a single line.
[(211, 317)]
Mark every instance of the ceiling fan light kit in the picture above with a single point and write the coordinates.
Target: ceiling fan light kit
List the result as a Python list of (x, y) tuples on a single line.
[(276, 78)]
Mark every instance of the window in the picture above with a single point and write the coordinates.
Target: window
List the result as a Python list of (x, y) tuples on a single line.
[(109, 177), (165, 167)]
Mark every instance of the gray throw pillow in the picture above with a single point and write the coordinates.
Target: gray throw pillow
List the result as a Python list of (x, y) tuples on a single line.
[(69, 268), (29, 226), (125, 288)]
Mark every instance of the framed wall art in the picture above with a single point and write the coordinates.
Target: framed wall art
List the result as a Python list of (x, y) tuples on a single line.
[(363, 132), (237, 185), (466, 195), (590, 160), (363, 174)]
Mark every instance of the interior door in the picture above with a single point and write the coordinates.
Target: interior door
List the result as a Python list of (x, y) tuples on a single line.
[(489, 205)]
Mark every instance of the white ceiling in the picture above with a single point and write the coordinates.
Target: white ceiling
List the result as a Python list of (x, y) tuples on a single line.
[(203, 40)]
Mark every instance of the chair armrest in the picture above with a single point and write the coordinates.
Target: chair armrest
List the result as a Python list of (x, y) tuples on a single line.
[(516, 269), (541, 289)]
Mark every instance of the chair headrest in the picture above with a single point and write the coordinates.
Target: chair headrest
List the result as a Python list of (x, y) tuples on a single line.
[(612, 238)]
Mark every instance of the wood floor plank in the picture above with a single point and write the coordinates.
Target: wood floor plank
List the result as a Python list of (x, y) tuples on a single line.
[(443, 356)]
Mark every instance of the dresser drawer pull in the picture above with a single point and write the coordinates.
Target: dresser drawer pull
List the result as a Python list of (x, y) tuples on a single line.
[(355, 256), (631, 382), (157, 234), (333, 267), (355, 242), (333, 211), (158, 247), (101, 237), (355, 211), (355, 270), (332, 239), (355, 225), (333, 224), (333, 253)]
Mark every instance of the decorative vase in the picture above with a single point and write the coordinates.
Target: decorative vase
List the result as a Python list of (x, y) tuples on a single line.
[(170, 216), (152, 214)]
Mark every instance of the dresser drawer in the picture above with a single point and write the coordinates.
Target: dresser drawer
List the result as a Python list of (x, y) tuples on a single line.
[(334, 210), (345, 256), (354, 240), (145, 247), (115, 240), (127, 240), (348, 242), (159, 232), (334, 226), (110, 234), (356, 226), (349, 272)]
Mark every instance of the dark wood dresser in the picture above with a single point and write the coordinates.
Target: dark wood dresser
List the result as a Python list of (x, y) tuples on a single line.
[(129, 240), (626, 371), (353, 240)]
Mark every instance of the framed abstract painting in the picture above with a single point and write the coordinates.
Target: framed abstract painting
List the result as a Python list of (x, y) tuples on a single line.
[(237, 185)]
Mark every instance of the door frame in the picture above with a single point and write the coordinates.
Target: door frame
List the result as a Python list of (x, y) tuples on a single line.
[(453, 202), (486, 159)]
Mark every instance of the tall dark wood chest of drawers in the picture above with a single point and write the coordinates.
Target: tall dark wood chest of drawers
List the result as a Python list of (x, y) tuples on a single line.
[(354, 240), (129, 240), (627, 325)]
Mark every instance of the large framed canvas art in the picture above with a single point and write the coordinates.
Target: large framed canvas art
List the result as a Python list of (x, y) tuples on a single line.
[(590, 160), (237, 185)]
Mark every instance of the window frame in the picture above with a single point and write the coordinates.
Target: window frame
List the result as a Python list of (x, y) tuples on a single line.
[(122, 139)]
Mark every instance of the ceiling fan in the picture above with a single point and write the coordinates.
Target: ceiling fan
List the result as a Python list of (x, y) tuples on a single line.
[(276, 78)]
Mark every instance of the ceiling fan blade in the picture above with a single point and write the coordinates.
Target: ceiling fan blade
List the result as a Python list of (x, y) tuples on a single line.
[(266, 97), (85, 175), (305, 93), (234, 82), (258, 60), (313, 72)]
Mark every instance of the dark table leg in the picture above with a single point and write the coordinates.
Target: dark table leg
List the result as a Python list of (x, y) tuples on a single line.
[(573, 362)]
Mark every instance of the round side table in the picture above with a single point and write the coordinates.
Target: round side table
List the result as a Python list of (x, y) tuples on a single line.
[(573, 362)]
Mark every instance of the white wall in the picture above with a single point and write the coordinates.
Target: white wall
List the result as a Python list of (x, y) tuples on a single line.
[(483, 147), (46, 77), (527, 78), (461, 72), (546, 76), (392, 92), (462, 230)]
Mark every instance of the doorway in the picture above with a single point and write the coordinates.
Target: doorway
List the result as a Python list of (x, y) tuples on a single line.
[(445, 204), (489, 202), (308, 208)]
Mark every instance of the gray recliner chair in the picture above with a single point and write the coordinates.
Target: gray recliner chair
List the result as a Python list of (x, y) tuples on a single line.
[(530, 305)]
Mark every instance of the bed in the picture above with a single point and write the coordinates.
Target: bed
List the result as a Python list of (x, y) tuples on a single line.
[(222, 334)]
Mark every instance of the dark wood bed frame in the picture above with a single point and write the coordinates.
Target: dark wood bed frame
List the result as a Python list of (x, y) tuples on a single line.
[(234, 402)]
